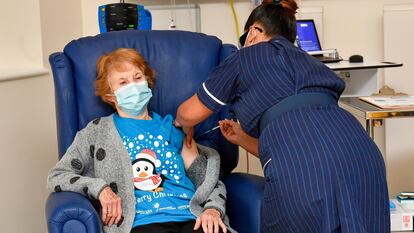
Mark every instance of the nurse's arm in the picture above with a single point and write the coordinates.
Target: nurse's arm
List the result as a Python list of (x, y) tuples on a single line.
[(191, 112), (251, 144)]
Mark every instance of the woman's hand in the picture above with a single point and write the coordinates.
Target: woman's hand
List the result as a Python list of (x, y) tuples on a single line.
[(232, 131), (111, 207), (211, 222)]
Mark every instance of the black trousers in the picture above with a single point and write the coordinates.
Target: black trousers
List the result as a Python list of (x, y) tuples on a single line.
[(168, 227)]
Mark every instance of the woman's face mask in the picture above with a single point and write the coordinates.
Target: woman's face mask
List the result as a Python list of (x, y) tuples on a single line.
[(133, 97), (131, 89)]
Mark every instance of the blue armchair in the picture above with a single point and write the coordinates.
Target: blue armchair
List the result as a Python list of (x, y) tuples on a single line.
[(182, 61)]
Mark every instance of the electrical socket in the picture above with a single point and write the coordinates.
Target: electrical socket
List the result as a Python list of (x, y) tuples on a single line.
[(345, 75)]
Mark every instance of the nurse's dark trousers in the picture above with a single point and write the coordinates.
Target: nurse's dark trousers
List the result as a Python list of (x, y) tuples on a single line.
[(323, 174)]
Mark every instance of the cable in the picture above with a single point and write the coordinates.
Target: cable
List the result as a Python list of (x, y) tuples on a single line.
[(299, 2), (236, 21), (173, 15), (247, 162), (191, 16), (175, 11)]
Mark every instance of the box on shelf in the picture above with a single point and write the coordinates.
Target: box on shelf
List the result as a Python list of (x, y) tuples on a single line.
[(406, 199), (401, 217)]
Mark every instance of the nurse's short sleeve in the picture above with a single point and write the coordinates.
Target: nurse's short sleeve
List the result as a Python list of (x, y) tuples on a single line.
[(221, 85)]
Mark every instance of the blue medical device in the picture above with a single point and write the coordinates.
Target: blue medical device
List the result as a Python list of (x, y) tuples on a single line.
[(123, 16)]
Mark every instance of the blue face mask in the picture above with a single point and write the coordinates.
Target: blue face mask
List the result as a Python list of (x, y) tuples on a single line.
[(133, 98)]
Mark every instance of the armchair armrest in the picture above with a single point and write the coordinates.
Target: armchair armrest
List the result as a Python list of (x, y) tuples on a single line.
[(244, 198), (71, 212), (65, 100)]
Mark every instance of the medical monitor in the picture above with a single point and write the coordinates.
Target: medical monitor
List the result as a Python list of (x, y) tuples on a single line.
[(307, 37), (123, 16)]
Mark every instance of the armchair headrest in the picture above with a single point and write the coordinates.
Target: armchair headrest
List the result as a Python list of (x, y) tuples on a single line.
[(182, 61)]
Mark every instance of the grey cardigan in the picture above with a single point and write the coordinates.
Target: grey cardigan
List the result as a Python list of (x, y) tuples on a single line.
[(97, 159)]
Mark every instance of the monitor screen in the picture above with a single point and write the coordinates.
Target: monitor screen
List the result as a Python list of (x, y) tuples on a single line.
[(307, 36)]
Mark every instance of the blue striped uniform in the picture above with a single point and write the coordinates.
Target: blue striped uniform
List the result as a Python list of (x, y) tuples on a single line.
[(323, 173)]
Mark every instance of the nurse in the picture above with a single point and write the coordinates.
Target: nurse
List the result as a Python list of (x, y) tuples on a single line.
[(323, 173)]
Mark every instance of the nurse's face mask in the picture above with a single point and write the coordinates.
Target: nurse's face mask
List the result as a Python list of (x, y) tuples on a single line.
[(245, 36), (131, 90)]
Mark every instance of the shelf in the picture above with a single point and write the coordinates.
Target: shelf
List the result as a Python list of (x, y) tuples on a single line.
[(345, 65), (368, 111), (14, 74)]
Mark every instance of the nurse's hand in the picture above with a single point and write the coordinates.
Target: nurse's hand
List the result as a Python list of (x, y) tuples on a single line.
[(210, 221), (232, 131), (188, 131)]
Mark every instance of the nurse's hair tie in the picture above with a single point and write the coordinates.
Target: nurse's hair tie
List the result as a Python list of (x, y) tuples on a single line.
[(277, 2)]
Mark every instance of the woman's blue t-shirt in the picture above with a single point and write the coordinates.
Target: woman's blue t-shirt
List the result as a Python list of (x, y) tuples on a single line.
[(162, 189)]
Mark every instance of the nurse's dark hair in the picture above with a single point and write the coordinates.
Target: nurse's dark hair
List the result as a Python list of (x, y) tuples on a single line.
[(276, 18)]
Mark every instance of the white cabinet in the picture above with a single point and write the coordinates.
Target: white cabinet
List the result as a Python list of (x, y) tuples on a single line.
[(361, 78)]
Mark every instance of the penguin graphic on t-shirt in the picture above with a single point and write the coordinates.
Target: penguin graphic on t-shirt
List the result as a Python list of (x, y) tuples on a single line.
[(145, 173)]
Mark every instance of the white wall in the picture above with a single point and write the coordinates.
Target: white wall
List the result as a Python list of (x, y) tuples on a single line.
[(27, 151), (20, 36), (59, 27), (28, 143), (400, 132), (27, 126)]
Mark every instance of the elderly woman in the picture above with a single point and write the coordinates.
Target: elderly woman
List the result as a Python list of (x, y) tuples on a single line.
[(134, 161)]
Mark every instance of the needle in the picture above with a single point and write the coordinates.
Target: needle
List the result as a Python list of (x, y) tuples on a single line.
[(209, 131)]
